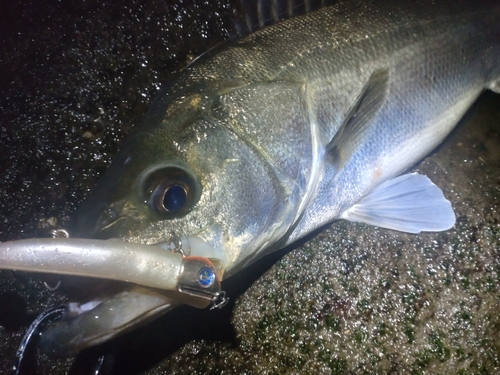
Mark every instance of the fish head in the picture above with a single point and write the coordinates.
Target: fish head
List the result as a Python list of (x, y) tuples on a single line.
[(190, 173), (201, 172)]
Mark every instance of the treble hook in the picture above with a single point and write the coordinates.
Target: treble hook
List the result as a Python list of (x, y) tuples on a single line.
[(46, 317)]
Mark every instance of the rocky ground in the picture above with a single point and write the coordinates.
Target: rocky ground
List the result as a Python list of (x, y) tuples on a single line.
[(352, 299)]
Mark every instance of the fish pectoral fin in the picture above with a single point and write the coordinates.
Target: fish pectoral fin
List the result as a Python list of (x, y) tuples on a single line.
[(408, 203), (356, 124)]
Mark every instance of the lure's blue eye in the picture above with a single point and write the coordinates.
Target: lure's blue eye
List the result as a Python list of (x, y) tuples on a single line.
[(206, 277), (175, 198)]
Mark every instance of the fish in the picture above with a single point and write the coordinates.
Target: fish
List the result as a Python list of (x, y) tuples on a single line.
[(263, 140)]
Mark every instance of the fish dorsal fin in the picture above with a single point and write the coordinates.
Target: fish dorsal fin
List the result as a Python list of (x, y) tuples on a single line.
[(258, 14), (358, 121), (409, 203)]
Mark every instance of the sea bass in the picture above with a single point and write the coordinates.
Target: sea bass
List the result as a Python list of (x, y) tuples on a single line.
[(262, 140)]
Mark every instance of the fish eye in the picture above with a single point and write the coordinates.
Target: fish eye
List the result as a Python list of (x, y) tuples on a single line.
[(170, 191)]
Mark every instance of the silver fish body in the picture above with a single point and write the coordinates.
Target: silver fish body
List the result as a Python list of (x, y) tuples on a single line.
[(253, 123), (263, 140)]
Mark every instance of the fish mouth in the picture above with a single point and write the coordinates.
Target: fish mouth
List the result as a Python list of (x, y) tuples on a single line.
[(97, 321), (84, 325), (151, 280)]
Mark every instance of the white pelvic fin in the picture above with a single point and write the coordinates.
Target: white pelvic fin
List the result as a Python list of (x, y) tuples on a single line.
[(408, 203)]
